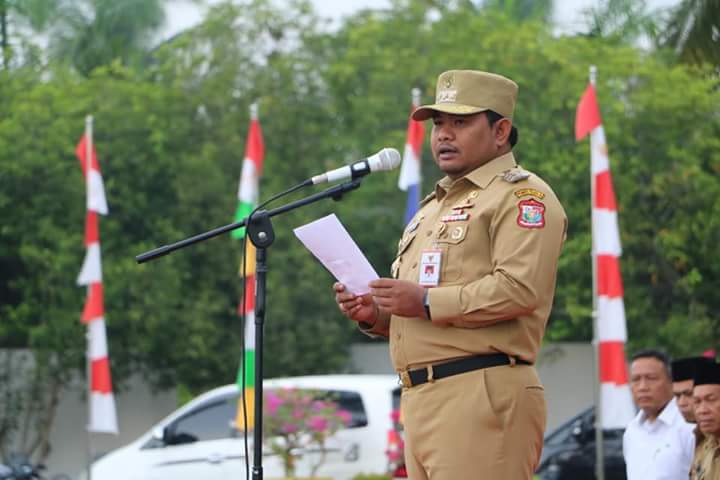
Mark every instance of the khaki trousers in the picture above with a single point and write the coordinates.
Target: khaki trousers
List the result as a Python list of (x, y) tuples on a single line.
[(484, 424)]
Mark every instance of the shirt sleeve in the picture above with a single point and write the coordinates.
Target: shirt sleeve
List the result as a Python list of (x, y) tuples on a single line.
[(625, 440), (524, 256), (688, 439), (381, 328)]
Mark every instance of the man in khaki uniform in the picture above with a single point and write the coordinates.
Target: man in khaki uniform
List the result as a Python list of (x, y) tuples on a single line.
[(472, 289), (706, 396)]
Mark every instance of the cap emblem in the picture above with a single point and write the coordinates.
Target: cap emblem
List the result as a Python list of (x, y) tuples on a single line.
[(444, 96)]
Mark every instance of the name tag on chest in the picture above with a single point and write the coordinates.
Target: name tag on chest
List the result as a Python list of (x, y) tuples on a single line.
[(430, 263)]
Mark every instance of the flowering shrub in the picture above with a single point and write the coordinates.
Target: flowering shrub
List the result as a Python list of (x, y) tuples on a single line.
[(298, 420), (396, 446)]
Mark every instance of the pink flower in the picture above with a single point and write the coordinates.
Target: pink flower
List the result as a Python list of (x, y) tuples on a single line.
[(318, 405), (318, 423), (298, 414), (345, 416), (272, 402), (395, 415), (289, 428), (393, 455)]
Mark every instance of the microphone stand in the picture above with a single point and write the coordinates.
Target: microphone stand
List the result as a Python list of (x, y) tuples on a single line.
[(261, 234)]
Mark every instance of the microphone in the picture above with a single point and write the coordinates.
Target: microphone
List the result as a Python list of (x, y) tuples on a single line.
[(385, 159)]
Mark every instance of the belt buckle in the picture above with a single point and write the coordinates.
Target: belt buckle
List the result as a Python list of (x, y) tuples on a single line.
[(405, 379)]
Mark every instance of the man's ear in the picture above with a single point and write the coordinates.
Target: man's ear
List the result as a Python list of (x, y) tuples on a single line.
[(502, 131)]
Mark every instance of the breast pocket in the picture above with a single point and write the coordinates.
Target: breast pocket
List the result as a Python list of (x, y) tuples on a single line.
[(453, 245)]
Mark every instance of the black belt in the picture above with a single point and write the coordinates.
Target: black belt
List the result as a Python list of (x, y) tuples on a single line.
[(411, 378)]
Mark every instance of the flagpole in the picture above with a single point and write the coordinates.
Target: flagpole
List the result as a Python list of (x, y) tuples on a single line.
[(88, 366), (599, 447), (415, 97)]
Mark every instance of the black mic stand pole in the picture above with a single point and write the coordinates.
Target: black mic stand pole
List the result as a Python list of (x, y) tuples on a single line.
[(261, 234)]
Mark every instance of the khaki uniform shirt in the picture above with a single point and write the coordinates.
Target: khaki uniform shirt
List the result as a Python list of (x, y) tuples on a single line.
[(498, 267), (706, 464)]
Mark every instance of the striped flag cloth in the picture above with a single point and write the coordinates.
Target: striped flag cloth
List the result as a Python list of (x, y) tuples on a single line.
[(615, 399), (410, 179), (248, 194), (102, 416)]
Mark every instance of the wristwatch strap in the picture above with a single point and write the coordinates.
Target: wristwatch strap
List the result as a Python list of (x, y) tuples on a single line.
[(426, 303)]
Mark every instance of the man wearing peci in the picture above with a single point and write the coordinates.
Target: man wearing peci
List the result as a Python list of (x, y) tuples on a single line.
[(471, 291), (658, 443), (683, 372), (706, 399)]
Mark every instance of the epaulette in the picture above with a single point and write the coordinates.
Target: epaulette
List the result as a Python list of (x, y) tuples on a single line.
[(515, 175), (427, 198)]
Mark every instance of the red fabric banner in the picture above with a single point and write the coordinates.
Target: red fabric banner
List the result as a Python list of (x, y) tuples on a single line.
[(609, 282), (612, 363), (100, 375), (94, 305), (587, 115)]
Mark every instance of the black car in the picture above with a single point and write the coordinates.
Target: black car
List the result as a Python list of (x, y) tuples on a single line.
[(569, 451)]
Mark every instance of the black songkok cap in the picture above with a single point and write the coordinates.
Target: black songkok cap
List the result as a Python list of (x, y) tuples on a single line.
[(684, 368), (707, 374)]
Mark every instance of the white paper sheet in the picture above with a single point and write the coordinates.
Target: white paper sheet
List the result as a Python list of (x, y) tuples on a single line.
[(328, 240)]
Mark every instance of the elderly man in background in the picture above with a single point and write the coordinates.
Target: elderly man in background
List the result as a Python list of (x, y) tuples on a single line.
[(658, 443), (706, 397)]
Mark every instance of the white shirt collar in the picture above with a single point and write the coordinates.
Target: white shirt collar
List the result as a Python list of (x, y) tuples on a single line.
[(668, 415)]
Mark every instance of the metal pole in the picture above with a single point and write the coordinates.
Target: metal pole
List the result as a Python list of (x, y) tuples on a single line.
[(88, 162), (599, 447), (260, 296)]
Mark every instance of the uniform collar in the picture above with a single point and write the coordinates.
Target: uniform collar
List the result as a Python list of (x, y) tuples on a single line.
[(481, 176)]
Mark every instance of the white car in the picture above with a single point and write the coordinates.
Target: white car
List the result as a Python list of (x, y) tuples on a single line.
[(215, 450)]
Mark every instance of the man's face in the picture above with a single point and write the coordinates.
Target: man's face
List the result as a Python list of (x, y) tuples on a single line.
[(683, 392), (461, 143), (707, 408), (650, 385)]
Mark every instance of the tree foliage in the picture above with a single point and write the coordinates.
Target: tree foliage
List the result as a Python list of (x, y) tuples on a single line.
[(693, 30), (93, 33), (170, 140)]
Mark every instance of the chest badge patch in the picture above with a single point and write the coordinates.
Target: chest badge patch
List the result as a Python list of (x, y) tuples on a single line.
[(457, 217), (532, 214)]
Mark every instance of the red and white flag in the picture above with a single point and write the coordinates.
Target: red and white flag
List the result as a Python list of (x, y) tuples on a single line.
[(616, 402), (410, 178), (102, 416)]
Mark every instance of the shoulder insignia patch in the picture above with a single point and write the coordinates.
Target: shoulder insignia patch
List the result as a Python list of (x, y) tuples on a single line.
[(515, 175), (531, 214), (427, 198), (529, 192)]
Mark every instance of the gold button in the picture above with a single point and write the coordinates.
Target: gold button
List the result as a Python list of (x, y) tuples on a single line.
[(474, 194)]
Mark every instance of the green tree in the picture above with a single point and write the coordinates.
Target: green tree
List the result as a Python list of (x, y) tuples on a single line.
[(523, 9), (625, 21), (693, 31), (34, 15), (170, 140), (92, 33)]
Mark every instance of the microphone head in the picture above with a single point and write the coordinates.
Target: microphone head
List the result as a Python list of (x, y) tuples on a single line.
[(385, 159)]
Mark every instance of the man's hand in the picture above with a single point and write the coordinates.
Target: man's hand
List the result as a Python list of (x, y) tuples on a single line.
[(357, 308), (399, 297)]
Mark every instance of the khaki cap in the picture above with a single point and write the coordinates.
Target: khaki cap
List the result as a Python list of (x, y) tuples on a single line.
[(464, 92)]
